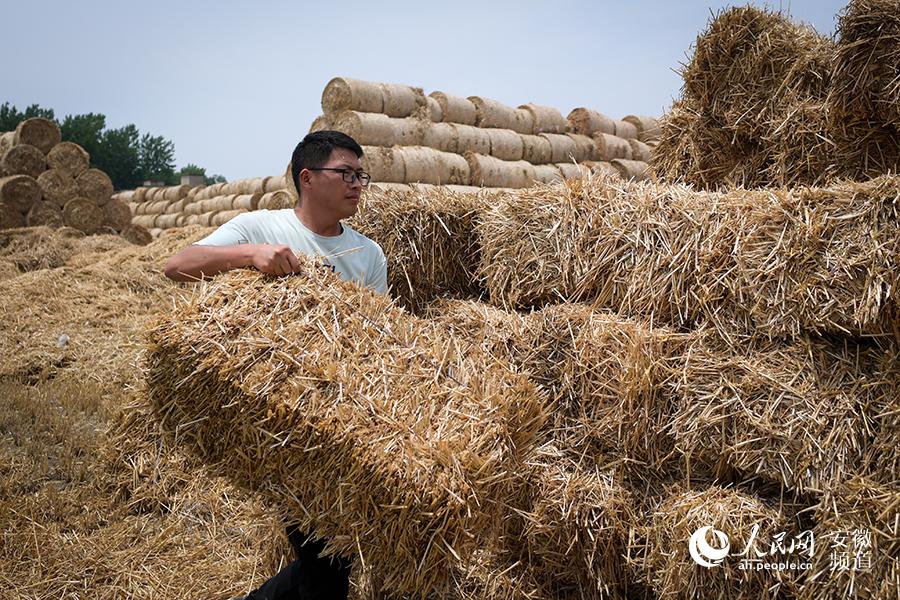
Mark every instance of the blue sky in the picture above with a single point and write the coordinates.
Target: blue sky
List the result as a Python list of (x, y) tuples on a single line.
[(235, 85)]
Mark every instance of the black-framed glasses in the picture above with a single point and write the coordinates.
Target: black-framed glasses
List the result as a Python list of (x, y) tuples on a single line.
[(349, 175)]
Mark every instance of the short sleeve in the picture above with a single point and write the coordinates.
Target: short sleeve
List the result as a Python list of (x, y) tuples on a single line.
[(232, 233), (379, 273)]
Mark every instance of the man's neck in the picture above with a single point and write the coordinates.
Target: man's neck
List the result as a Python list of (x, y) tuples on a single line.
[(320, 226)]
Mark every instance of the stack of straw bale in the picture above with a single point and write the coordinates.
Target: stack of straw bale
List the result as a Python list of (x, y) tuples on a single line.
[(768, 102), (44, 181), (304, 376)]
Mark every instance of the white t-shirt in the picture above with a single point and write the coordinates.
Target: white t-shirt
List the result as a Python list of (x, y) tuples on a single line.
[(351, 255)]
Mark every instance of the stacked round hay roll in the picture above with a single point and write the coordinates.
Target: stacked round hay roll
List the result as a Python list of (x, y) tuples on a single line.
[(343, 93), (426, 165), (659, 554), (223, 216), (384, 164), (537, 149), (545, 119), (573, 170), (41, 133), (83, 214), (471, 139), (589, 122), (547, 173), (487, 171), (455, 109), (276, 200), (626, 130), (440, 136), (23, 159), (639, 151), (585, 148), (273, 183), (57, 186), (321, 123), (373, 129), (648, 127), (635, 170), (610, 147), (435, 113), (506, 144), (562, 147), (69, 157), (19, 192), (494, 114), (397, 459), (428, 238)]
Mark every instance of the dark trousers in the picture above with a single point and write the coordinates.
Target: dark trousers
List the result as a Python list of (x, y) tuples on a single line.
[(310, 576)]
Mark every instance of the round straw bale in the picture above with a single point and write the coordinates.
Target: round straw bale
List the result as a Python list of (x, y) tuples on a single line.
[(273, 183), (488, 171), (41, 133), (321, 123), (435, 113), (139, 192), (440, 136), (23, 159), (401, 100), (45, 213), (83, 214), (156, 232), (492, 113), (585, 148), (247, 201), (611, 146), (604, 168), (166, 221), (455, 109), (10, 217), (205, 220), (648, 127), (524, 121), (6, 141), (276, 200), (20, 192), (96, 185), (588, 122), (384, 164), (69, 157), (116, 214), (174, 207), (176, 192), (471, 139), (371, 129), (342, 93), (631, 169), (146, 221), (255, 185), (625, 130), (426, 165), (545, 119), (639, 151), (573, 171), (505, 144), (124, 195), (57, 186), (562, 147), (536, 149), (137, 235), (547, 173), (222, 217)]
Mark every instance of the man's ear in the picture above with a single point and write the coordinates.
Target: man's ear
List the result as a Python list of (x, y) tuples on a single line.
[(304, 176)]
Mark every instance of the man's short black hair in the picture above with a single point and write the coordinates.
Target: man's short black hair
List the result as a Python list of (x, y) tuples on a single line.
[(315, 149)]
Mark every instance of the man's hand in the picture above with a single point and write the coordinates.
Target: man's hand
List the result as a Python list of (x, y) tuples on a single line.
[(275, 260)]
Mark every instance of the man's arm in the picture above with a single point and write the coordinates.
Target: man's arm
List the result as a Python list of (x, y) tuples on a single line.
[(202, 262)]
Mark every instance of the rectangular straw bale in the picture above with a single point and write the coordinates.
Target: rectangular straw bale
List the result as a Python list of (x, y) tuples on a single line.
[(370, 129), (372, 428), (588, 122), (343, 93), (505, 144), (536, 149), (455, 109), (487, 171), (429, 241), (799, 414), (384, 164), (546, 119)]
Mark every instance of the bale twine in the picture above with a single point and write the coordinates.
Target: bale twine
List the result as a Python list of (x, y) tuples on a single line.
[(426, 165), (536, 149), (10, 217), (610, 147), (631, 169), (137, 235), (435, 113), (573, 170), (371, 129), (276, 200), (440, 136), (116, 214), (96, 185), (471, 139), (41, 133), (659, 557), (488, 171), (384, 164), (246, 201), (23, 159), (588, 122), (328, 320), (19, 192), (585, 148), (547, 173), (146, 221), (83, 214), (562, 147), (455, 109), (401, 100), (273, 183), (223, 216), (545, 119), (343, 93), (321, 123), (626, 130), (639, 151), (648, 127), (505, 144), (57, 186), (494, 114)]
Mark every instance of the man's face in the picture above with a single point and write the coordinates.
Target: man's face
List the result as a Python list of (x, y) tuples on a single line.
[(329, 193)]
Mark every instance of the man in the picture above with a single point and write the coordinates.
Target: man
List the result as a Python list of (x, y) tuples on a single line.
[(327, 174)]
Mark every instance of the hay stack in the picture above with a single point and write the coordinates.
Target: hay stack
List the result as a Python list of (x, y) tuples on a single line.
[(610, 147), (589, 122), (547, 173), (19, 192), (505, 144), (545, 119), (136, 235), (116, 215), (23, 159), (488, 171), (392, 459), (370, 129), (44, 213), (401, 100), (96, 185), (57, 186), (455, 109), (625, 130), (276, 200), (659, 552), (562, 147), (429, 241), (41, 133), (426, 165), (83, 214), (630, 169), (471, 139), (69, 157), (494, 114), (383, 164), (343, 93)]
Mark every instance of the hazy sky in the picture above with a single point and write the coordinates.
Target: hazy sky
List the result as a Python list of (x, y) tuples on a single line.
[(235, 85)]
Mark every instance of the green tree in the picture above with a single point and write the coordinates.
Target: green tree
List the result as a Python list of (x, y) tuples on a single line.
[(119, 157), (157, 158), (10, 116), (86, 131), (211, 179), (192, 169)]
